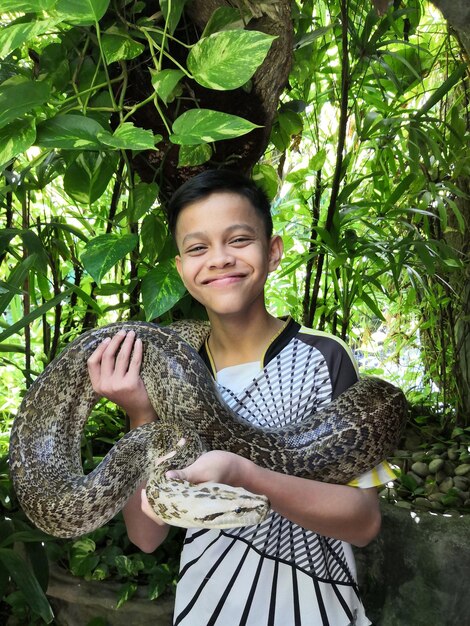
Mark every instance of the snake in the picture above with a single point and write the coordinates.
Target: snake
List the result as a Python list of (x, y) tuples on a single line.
[(353, 433)]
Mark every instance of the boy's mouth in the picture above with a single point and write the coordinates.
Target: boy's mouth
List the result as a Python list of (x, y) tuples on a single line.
[(223, 279)]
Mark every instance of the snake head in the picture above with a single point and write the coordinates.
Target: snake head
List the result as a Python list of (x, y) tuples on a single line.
[(207, 505)]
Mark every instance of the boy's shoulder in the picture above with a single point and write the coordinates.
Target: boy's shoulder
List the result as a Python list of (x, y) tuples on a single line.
[(322, 339), (333, 348)]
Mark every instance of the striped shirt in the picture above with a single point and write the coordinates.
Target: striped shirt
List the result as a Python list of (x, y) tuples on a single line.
[(276, 573)]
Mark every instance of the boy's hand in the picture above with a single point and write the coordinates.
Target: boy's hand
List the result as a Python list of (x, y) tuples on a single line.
[(215, 466), (114, 370)]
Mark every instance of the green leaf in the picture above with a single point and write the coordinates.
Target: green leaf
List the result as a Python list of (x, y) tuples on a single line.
[(224, 18), (15, 280), (118, 46), (204, 125), (128, 137), (162, 288), (266, 177), (318, 161), (70, 132), (145, 196), (125, 593), (372, 305), (85, 297), (172, 11), (26, 6), (82, 558), (16, 138), (12, 347), (87, 178), (104, 251), (20, 96), (83, 12), (194, 155), (15, 35), (443, 89), (23, 576), (165, 82), (153, 234), (228, 59), (37, 312)]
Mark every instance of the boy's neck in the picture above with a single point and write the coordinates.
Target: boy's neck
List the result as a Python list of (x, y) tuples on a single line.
[(236, 340)]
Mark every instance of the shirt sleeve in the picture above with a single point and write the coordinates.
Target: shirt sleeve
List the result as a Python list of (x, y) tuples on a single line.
[(377, 476)]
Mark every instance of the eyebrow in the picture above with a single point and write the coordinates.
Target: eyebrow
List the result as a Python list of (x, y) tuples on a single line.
[(201, 234)]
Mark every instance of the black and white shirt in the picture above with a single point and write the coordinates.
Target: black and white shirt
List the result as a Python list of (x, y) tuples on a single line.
[(276, 573)]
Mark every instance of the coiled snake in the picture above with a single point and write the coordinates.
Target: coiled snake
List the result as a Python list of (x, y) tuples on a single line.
[(353, 433)]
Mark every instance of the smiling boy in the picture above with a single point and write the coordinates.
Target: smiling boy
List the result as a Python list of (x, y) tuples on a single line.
[(296, 567)]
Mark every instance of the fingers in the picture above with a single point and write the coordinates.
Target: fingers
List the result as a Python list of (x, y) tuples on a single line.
[(115, 359), (136, 357), (94, 363), (147, 509), (170, 454)]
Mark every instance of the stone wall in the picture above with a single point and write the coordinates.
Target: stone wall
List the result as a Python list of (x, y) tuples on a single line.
[(417, 571)]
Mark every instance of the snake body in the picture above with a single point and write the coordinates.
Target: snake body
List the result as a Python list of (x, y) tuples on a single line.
[(336, 444)]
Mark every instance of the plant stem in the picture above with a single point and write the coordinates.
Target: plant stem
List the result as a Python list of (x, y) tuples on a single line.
[(337, 175)]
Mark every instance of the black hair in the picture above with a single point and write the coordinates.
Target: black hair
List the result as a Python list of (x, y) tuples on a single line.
[(211, 181)]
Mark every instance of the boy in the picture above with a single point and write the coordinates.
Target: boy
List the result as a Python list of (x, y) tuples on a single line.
[(297, 567)]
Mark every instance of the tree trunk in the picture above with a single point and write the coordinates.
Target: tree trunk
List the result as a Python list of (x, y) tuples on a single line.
[(257, 104)]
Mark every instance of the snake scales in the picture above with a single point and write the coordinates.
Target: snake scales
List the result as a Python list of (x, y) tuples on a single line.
[(348, 437)]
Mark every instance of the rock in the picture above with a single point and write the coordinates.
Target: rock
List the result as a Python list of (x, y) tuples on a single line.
[(431, 487), (418, 480), (423, 502), (462, 470), (449, 468), (401, 454), (435, 465), (403, 504), (453, 454), (416, 572), (388, 493), (420, 468), (446, 484), (461, 482)]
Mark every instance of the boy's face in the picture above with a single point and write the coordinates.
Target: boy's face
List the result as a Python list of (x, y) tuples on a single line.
[(224, 253)]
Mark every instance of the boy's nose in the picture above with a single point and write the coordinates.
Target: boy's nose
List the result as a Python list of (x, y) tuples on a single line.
[(221, 258)]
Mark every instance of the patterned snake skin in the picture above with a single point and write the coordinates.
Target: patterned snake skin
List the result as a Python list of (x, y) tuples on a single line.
[(336, 444)]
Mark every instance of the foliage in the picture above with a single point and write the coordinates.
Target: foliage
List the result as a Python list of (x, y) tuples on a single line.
[(107, 554), (373, 144), (68, 148), (362, 161), (24, 566), (365, 167)]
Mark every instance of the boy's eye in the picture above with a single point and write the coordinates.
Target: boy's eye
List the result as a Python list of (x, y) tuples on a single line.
[(196, 249), (240, 240)]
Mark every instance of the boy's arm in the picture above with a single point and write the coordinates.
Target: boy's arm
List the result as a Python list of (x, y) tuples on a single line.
[(147, 533), (337, 511)]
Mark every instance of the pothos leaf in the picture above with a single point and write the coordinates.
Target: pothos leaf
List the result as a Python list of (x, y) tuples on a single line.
[(228, 59), (204, 125), (104, 251)]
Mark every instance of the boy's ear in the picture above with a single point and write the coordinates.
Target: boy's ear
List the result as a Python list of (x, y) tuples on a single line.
[(178, 265), (276, 248)]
